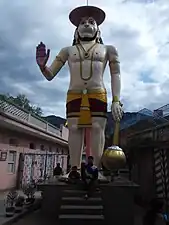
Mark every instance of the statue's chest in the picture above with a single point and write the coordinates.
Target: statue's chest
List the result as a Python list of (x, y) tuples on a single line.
[(77, 54)]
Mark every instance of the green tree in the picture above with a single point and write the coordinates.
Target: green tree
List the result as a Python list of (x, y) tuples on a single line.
[(37, 110), (22, 101)]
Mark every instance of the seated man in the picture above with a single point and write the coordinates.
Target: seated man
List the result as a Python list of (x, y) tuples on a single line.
[(74, 176), (89, 175), (155, 215), (57, 170)]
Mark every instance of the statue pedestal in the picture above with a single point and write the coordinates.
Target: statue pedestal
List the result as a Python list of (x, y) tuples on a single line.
[(52, 196), (118, 201), (114, 204)]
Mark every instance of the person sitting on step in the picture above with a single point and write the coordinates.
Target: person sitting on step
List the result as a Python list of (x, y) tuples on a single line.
[(57, 170), (74, 176), (155, 215), (89, 175)]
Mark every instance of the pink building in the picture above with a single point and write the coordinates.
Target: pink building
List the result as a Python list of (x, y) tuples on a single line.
[(29, 147)]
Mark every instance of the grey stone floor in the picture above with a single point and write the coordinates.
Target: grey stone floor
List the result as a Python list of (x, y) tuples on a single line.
[(3, 218)]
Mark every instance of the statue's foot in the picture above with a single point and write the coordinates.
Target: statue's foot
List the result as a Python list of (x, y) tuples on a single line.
[(102, 178), (64, 178)]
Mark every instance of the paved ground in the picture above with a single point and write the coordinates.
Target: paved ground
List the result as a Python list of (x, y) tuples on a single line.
[(2, 205)]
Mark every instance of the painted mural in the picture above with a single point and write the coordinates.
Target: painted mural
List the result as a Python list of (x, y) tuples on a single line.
[(38, 167)]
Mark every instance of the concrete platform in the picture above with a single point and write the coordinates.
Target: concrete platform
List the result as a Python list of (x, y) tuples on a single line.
[(37, 218), (115, 200)]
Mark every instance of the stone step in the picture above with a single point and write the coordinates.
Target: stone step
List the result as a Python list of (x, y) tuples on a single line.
[(74, 187), (82, 209), (81, 217), (77, 193), (73, 191), (81, 201)]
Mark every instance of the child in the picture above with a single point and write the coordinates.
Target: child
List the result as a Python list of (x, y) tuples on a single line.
[(89, 174)]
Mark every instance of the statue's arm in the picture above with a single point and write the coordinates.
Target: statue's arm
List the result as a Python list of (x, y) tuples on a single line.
[(59, 61), (114, 65)]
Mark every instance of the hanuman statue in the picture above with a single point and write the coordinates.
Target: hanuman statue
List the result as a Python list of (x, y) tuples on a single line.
[(86, 104)]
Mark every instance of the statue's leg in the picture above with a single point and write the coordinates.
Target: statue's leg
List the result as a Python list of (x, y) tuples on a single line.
[(98, 138), (75, 142), (88, 141)]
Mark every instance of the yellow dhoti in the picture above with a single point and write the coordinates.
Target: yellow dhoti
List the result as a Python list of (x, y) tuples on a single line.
[(86, 104)]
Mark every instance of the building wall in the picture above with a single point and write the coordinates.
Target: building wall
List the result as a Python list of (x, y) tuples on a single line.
[(145, 167), (146, 173), (65, 133), (143, 172), (14, 143)]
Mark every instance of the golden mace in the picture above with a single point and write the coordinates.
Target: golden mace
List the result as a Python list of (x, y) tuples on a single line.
[(116, 134), (113, 157)]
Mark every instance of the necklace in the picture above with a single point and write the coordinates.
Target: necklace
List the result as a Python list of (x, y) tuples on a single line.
[(86, 52), (91, 65)]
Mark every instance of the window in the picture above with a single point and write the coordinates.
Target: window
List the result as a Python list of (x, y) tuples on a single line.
[(11, 161), (11, 168), (32, 146), (12, 156), (13, 142)]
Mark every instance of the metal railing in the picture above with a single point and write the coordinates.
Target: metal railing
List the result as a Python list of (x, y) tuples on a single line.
[(9, 108)]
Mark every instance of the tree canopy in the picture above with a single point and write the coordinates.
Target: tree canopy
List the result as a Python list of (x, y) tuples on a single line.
[(22, 101)]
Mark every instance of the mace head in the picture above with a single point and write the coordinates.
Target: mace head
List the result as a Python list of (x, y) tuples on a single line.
[(113, 158)]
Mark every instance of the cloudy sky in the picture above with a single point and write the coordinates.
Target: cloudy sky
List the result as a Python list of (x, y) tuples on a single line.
[(138, 28)]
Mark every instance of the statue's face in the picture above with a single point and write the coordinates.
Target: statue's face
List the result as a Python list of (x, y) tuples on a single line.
[(87, 28)]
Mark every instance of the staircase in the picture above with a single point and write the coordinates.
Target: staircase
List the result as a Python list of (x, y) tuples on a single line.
[(75, 209)]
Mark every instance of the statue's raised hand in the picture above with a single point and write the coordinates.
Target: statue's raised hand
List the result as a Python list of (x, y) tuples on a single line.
[(42, 55)]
